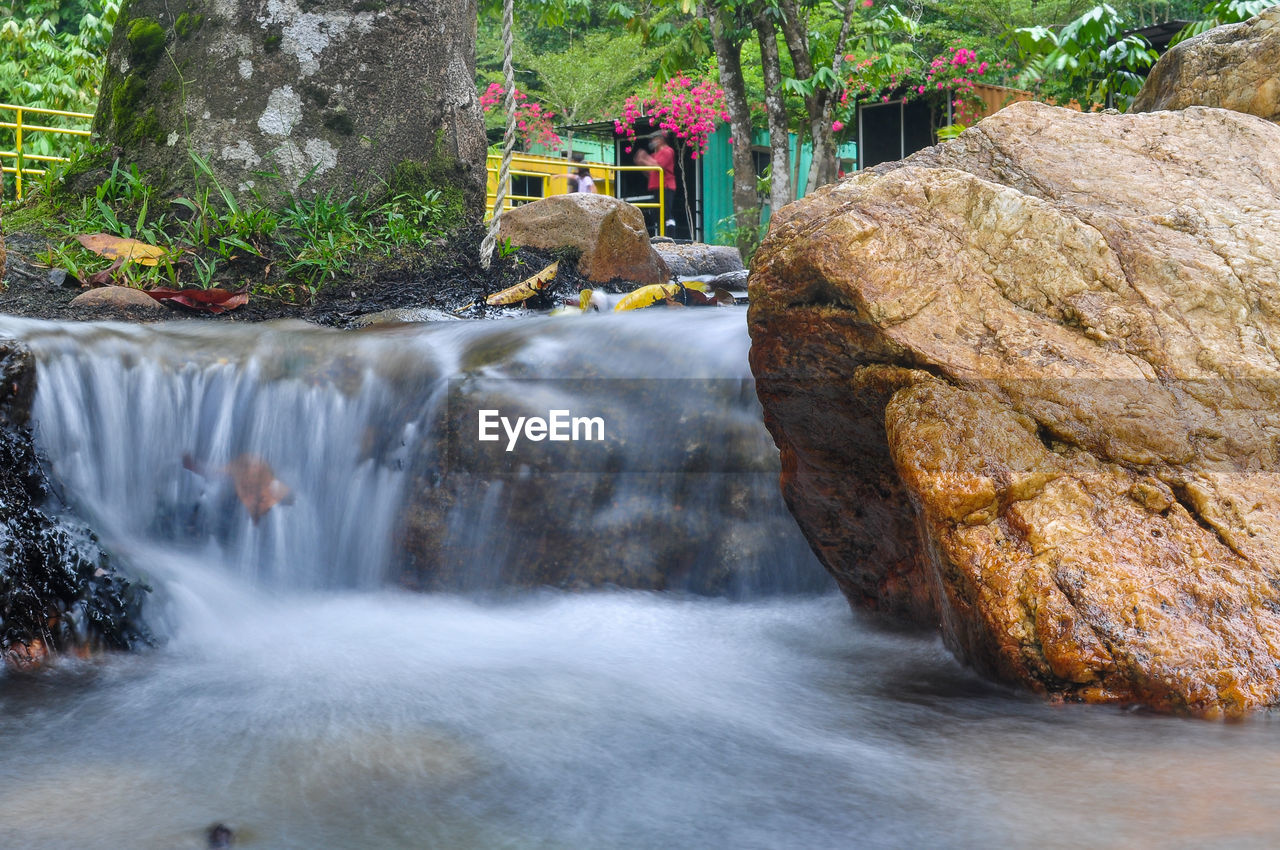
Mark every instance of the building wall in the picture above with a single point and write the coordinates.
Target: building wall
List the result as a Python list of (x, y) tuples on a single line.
[(717, 182)]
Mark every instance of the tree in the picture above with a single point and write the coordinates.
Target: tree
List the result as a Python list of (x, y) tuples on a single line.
[(728, 33), (590, 79), (1090, 57), (315, 92)]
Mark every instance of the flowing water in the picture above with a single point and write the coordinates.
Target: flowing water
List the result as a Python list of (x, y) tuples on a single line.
[(302, 697)]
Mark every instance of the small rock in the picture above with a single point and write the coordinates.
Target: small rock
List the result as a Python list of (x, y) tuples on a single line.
[(120, 297), (61, 277), (695, 259), (609, 233), (221, 836)]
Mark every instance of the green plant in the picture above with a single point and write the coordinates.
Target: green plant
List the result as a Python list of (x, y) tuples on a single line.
[(1089, 58), (506, 249), (51, 57)]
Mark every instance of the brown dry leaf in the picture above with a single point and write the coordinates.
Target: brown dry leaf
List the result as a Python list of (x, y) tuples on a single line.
[(106, 277), (118, 247), (526, 289), (206, 300), (255, 482)]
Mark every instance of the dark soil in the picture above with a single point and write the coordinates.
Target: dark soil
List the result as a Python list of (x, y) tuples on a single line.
[(448, 278)]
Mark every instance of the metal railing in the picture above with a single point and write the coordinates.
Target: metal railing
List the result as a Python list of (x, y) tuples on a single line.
[(609, 186), (21, 128)]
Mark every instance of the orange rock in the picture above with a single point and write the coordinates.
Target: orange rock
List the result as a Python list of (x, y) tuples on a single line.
[(1025, 387)]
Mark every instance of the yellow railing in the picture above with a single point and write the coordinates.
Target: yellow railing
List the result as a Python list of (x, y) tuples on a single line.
[(552, 168), (21, 128)]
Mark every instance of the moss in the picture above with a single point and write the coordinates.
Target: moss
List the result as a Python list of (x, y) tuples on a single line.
[(275, 35), (124, 101), (148, 127), (186, 24), (146, 43), (37, 216)]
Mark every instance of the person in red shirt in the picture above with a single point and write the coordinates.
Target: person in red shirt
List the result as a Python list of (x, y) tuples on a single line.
[(661, 153)]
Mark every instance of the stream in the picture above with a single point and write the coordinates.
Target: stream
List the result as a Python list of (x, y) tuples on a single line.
[(428, 641)]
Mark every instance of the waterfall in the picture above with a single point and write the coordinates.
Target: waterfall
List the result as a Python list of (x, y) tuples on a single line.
[(301, 458)]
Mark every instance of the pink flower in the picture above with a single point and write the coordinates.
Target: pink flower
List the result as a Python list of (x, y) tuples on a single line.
[(867, 4), (837, 126)]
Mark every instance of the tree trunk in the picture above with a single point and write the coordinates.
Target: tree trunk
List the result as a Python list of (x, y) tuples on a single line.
[(326, 94), (819, 105), (746, 204), (776, 107)]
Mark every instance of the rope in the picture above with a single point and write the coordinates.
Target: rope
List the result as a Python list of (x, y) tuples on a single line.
[(508, 138)]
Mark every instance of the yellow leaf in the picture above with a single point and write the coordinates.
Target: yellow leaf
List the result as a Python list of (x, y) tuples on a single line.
[(525, 289), (698, 285), (118, 247), (584, 299), (646, 295)]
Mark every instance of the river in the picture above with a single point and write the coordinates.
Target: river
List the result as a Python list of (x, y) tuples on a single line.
[(301, 696)]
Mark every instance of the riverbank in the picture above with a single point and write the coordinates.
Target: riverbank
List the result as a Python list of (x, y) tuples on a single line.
[(446, 277)]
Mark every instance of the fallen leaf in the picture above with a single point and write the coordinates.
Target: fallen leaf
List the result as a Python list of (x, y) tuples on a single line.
[(118, 247), (107, 276), (646, 296), (525, 289), (254, 480), (206, 300)]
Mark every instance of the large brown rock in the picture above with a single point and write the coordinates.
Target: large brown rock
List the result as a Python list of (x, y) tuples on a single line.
[(1026, 386), (610, 234), (1235, 67)]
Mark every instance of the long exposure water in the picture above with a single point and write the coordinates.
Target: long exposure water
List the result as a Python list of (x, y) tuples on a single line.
[(302, 697)]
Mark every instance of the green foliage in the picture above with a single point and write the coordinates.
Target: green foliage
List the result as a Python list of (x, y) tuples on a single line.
[(1223, 12), (589, 80), (215, 239), (51, 57), (1087, 59)]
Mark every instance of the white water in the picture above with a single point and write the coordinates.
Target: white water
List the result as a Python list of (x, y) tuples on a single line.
[(307, 706)]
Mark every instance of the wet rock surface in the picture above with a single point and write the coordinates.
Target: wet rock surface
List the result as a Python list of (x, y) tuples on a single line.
[(59, 590), (1236, 66), (1025, 385), (696, 259)]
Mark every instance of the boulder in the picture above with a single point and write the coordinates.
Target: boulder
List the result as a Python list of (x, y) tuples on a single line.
[(1235, 67), (610, 234), (123, 299), (1026, 388), (697, 259), (328, 95)]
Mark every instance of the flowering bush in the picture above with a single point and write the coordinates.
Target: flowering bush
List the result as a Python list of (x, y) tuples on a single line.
[(688, 109), (533, 122), (886, 77)]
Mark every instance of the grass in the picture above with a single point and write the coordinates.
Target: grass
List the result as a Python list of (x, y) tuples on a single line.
[(289, 251)]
